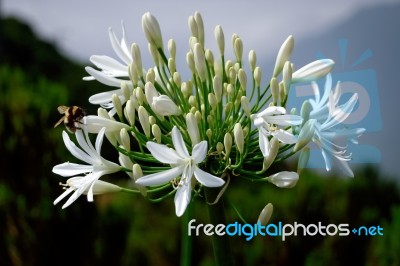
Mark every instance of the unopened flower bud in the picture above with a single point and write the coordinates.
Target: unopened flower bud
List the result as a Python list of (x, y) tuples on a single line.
[(232, 75), (284, 179), (200, 27), (257, 76), (265, 214), (220, 147), (209, 134), (117, 104), (306, 134), (313, 71), (171, 65), (140, 95), (190, 61), (198, 116), (242, 79), (238, 48), (125, 139), (152, 120), (155, 130), (172, 48), (125, 90), (212, 100), (217, 86), (228, 107), (305, 111), (227, 144), (287, 74), (209, 57), (239, 138), (99, 187), (192, 100), (152, 30), (136, 174), (193, 26), (282, 91), (137, 58), (200, 61), (133, 75), (283, 55), (274, 90), (144, 120), (219, 36), (130, 112), (230, 90), (192, 128), (150, 76), (245, 105), (252, 60), (177, 79), (163, 105)]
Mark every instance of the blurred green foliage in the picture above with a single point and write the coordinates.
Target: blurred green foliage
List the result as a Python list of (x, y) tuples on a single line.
[(128, 230)]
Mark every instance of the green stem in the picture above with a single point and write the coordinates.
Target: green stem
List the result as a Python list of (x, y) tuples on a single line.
[(216, 212), (186, 244)]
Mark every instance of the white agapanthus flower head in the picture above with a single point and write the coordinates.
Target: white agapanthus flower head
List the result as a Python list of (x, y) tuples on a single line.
[(175, 136)]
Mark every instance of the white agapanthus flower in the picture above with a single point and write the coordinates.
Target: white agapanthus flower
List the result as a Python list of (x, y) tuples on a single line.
[(267, 122), (112, 70), (328, 127), (184, 167), (95, 168)]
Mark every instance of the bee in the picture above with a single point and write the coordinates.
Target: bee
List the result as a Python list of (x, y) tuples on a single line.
[(71, 118)]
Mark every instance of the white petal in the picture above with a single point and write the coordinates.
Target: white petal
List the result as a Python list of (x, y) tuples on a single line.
[(285, 120), (163, 154), (74, 150), (207, 179), (103, 97), (110, 65), (163, 105), (284, 136), (179, 144), (272, 110), (199, 152), (63, 195), (103, 78), (117, 47), (161, 177), (99, 140), (182, 199), (264, 144), (84, 141), (94, 124), (284, 179), (71, 169)]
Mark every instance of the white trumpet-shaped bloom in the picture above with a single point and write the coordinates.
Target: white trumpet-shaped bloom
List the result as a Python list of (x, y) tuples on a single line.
[(329, 129), (112, 70), (96, 166), (184, 167), (267, 122)]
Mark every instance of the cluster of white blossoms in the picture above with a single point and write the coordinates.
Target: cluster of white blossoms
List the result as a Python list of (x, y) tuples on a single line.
[(176, 137)]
